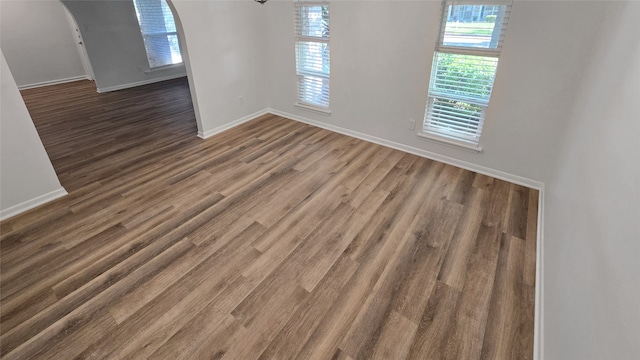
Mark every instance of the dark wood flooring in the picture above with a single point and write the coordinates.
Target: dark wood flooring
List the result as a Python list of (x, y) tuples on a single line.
[(273, 240)]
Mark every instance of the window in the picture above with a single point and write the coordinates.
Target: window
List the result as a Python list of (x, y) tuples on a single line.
[(159, 32), (312, 53), (464, 68)]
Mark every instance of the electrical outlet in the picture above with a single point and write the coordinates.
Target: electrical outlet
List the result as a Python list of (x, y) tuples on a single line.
[(412, 124)]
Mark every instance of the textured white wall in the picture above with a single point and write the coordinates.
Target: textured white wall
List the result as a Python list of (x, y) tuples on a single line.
[(26, 172), (592, 222), (38, 41)]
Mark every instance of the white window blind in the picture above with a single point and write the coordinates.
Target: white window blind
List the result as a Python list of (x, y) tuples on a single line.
[(464, 68), (158, 30), (312, 52)]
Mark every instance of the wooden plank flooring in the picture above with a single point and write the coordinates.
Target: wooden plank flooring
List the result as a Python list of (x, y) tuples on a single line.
[(273, 240)]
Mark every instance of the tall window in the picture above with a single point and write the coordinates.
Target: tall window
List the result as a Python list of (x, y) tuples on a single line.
[(159, 32), (312, 52), (464, 68)]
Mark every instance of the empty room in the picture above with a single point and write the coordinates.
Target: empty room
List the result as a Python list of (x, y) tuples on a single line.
[(320, 179)]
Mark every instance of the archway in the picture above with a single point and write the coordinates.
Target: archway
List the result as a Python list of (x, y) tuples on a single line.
[(117, 69), (52, 40), (190, 90)]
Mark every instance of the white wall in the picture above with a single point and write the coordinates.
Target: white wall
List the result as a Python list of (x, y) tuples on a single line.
[(381, 54), (114, 44), (592, 222), (26, 175), (225, 42), (38, 42)]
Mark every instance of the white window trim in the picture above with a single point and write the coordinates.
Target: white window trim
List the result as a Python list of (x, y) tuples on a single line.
[(317, 109), (476, 148), (163, 67)]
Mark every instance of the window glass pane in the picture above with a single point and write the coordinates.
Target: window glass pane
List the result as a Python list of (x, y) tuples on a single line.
[(313, 90), (314, 21), (167, 16), (158, 30), (454, 118), (313, 57), (477, 26), (174, 46), (464, 76)]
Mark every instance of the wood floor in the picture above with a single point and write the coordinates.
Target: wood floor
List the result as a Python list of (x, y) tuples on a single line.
[(273, 240)]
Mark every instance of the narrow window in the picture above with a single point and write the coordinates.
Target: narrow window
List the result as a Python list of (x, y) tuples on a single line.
[(312, 53), (464, 68), (159, 32)]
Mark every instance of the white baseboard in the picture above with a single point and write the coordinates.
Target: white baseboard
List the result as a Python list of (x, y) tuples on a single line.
[(140, 83), (519, 180), (229, 125), (538, 322), (30, 204), (53, 82)]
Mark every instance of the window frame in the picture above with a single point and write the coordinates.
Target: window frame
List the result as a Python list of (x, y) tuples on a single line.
[(430, 126), (299, 41)]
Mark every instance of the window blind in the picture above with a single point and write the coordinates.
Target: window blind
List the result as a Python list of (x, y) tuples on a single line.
[(312, 52), (159, 32), (459, 91)]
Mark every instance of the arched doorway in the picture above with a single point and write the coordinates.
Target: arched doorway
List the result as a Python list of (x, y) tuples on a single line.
[(65, 158), (105, 23)]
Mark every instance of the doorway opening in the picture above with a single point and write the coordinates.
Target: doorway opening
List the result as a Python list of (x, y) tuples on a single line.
[(92, 136)]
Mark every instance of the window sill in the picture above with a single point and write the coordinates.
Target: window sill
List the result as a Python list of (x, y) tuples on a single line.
[(451, 142), (313, 108), (165, 67)]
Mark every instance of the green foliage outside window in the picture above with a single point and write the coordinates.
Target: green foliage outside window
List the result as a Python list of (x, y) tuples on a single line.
[(465, 75)]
